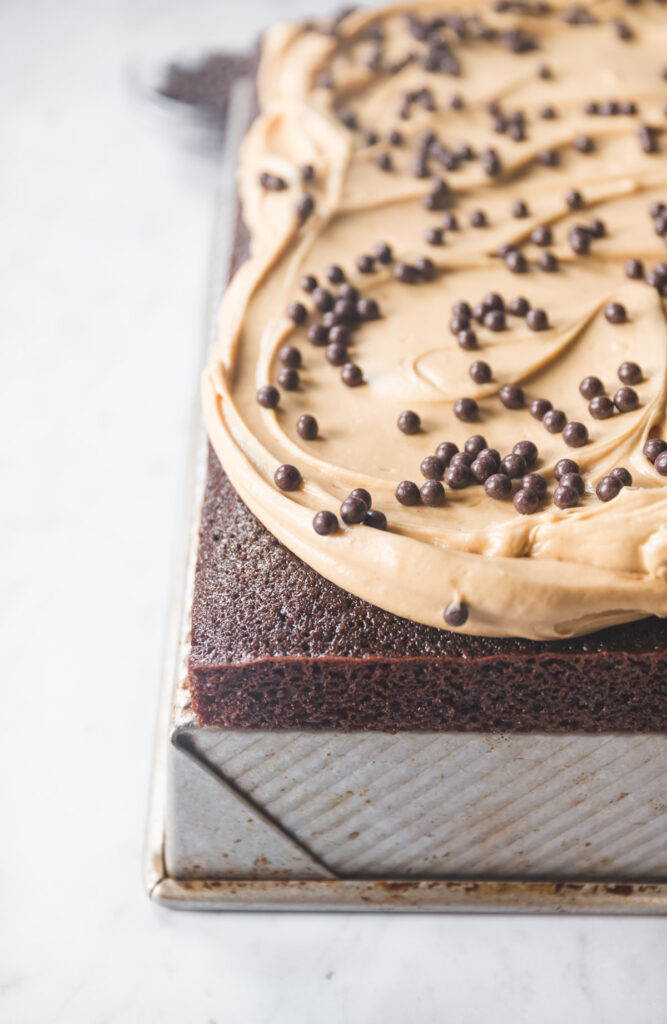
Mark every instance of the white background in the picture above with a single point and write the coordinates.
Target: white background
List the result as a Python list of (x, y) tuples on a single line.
[(105, 221)]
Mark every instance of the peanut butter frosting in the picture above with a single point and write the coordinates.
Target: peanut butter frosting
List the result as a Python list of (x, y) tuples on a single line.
[(456, 282)]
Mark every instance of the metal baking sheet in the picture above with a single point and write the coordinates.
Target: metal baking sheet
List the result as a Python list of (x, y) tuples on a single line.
[(557, 833), (409, 821)]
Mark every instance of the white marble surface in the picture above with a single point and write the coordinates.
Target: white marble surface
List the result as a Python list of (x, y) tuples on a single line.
[(106, 219)]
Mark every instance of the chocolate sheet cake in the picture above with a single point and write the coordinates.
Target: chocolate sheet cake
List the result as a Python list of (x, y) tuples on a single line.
[(478, 602)]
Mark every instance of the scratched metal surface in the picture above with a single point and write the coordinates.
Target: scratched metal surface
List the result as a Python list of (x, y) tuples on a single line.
[(425, 805)]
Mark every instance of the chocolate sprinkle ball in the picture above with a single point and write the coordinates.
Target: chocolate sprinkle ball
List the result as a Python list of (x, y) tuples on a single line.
[(297, 312), (459, 323), (600, 407), (365, 264), (291, 357), (467, 339), (564, 466), (325, 523), (575, 434), (573, 480), (541, 235), (432, 468), (458, 476), (622, 475), (539, 407), (268, 397), (447, 450), (626, 399), (308, 283), (565, 497), (608, 488), (514, 466), (335, 274), (306, 427), (615, 313), (407, 493), (426, 268), (630, 373), (466, 410), (288, 379), (353, 511), (363, 495), (409, 422), (287, 478), (661, 463), (474, 445), (526, 502), (528, 452), (654, 447), (480, 372), (318, 334), (376, 519), (537, 320), (534, 482), (495, 320), (323, 300), (456, 615), (483, 467), (406, 273), (516, 262), (351, 375), (432, 493), (548, 262), (519, 306), (580, 240), (304, 206), (498, 486), (336, 353), (368, 309), (554, 420), (591, 386), (512, 396)]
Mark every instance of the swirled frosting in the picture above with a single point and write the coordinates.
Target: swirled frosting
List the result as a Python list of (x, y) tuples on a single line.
[(586, 90)]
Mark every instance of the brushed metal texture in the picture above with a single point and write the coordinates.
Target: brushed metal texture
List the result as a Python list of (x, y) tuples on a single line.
[(458, 805)]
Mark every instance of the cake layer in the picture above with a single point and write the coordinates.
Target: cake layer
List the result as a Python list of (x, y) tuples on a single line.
[(275, 645)]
